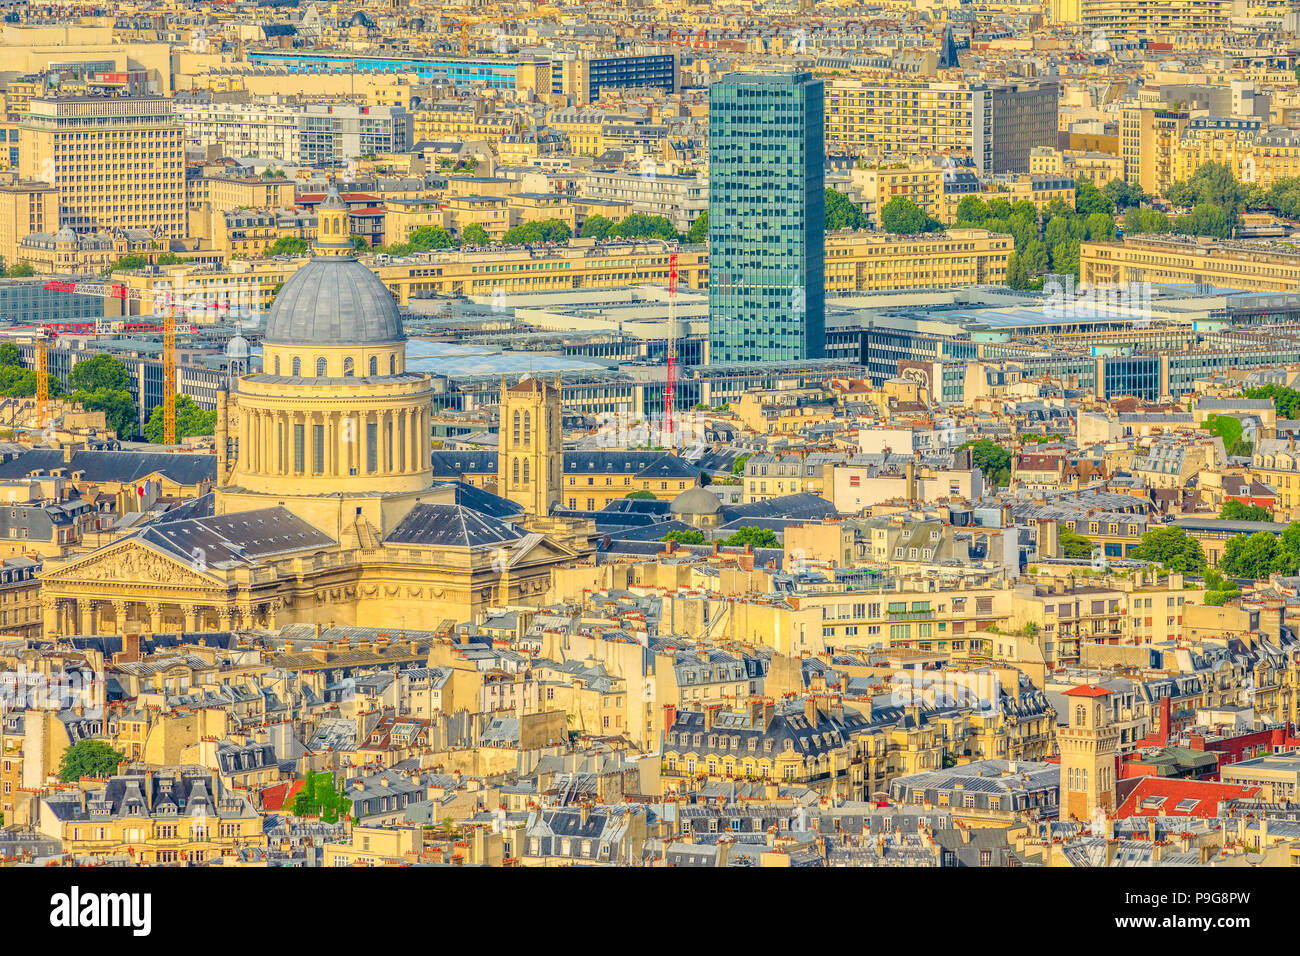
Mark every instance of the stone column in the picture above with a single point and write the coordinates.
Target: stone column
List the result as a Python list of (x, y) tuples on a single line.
[(224, 619), (83, 616), (119, 616), (363, 444), (49, 618), (155, 617), (190, 614)]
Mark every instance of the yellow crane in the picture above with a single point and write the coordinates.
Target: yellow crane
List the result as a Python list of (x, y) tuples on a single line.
[(122, 292)]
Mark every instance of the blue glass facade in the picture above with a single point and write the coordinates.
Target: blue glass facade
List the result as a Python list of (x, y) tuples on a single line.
[(495, 73), (767, 218)]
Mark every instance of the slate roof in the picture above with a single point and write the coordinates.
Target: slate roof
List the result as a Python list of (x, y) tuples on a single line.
[(451, 526), (333, 300), (235, 538), (101, 466)]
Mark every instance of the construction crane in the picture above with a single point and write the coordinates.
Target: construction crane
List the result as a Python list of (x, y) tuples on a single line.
[(123, 293), (671, 388)]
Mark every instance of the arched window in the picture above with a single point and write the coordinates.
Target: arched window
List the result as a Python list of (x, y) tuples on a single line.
[(297, 366), (277, 365), (525, 472), (1080, 715), (514, 473), (320, 368), (515, 431), (374, 365), (347, 367), (528, 427), (392, 364)]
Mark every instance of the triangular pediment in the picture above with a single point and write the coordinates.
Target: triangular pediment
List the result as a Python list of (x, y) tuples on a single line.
[(534, 548), (131, 562)]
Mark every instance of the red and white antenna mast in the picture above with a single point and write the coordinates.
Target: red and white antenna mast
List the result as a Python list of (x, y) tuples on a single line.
[(672, 346)]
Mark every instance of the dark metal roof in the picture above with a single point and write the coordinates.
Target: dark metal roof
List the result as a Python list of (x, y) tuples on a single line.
[(333, 300), (451, 526)]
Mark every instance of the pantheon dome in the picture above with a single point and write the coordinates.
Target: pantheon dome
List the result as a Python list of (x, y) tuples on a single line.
[(333, 300), (333, 420)]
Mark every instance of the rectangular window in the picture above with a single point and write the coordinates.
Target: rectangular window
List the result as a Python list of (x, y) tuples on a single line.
[(299, 452), (318, 449), (372, 447)]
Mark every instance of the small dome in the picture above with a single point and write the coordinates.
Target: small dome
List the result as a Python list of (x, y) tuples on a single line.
[(333, 300), (237, 347), (695, 501)]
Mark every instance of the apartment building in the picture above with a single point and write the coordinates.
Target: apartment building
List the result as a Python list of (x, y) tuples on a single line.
[(324, 134), (26, 208), (118, 162), (996, 125), (1228, 264), (680, 199)]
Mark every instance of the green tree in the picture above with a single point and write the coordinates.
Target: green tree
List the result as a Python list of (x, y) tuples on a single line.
[(168, 259), (475, 235), (101, 371), (117, 405), (1088, 199), (89, 758), (10, 355), (1146, 222), (993, 461), (972, 211), (1074, 545), (903, 217), (539, 231), (288, 246), (20, 270), (1286, 401), (738, 465), (191, 421), (318, 797), (1172, 548), (359, 243), (1253, 556), (1234, 510), (684, 537), (843, 213), (640, 226), (648, 495), (596, 227), (758, 537), (1207, 219), (1213, 184), (127, 263), (1123, 195), (698, 234)]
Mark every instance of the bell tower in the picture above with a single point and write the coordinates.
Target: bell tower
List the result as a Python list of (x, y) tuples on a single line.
[(333, 226), (530, 455), (1088, 745)]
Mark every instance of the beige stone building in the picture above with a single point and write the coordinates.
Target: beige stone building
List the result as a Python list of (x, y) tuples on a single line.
[(325, 506)]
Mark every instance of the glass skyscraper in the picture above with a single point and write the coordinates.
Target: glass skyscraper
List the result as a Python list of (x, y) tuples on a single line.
[(767, 218)]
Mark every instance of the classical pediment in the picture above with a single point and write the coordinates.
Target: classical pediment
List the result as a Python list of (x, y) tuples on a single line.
[(537, 549), (131, 562)]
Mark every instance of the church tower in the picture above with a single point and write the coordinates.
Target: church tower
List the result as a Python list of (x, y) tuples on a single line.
[(530, 455), (1088, 746)]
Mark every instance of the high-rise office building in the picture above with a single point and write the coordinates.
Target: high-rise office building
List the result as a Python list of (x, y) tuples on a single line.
[(767, 218), (118, 161)]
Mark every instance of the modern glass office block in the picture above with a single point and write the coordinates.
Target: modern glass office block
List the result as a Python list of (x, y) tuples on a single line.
[(767, 218)]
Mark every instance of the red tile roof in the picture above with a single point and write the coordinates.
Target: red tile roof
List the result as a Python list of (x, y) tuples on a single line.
[(1182, 798), (1087, 690), (278, 796)]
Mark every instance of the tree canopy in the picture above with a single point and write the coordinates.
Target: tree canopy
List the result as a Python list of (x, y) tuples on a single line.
[(538, 231), (758, 537), (902, 216), (1172, 548), (288, 246), (191, 421), (1234, 510), (993, 461), (89, 758), (319, 798), (1286, 401), (843, 213)]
